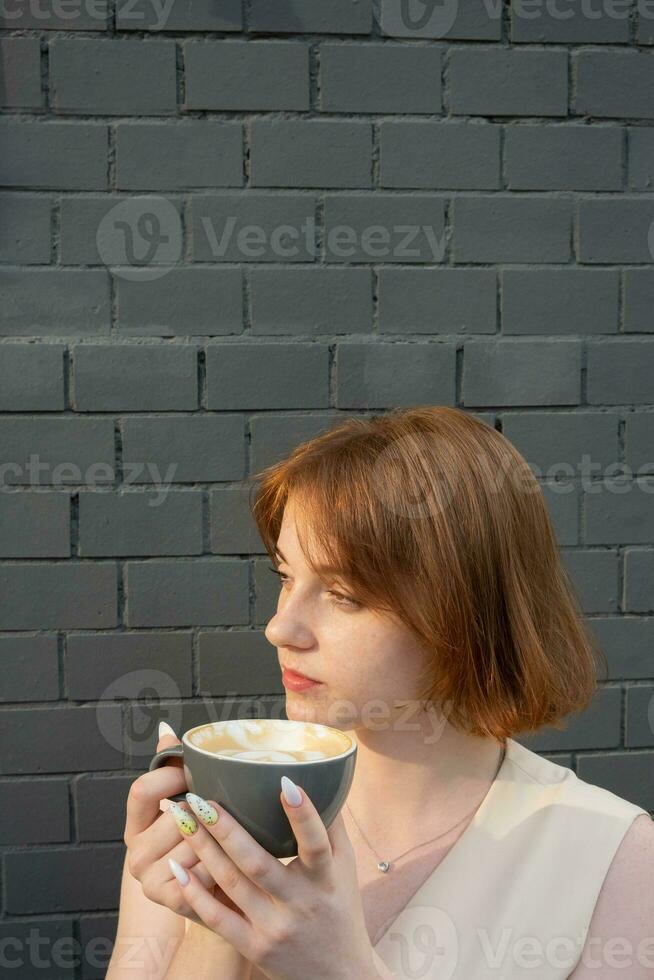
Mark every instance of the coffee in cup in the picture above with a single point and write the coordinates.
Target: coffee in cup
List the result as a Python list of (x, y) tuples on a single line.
[(258, 740), (239, 764)]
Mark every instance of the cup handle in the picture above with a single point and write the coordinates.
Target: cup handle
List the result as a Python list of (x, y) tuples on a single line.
[(159, 758)]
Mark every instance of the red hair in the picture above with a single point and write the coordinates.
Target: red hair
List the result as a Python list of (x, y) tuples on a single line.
[(434, 518)]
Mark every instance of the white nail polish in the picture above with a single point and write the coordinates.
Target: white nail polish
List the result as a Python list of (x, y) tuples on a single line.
[(202, 809), (180, 873), (292, 795), (165, 729)]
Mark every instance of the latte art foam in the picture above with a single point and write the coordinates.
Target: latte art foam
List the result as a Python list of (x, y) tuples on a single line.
[(274, 755), (270, 740)]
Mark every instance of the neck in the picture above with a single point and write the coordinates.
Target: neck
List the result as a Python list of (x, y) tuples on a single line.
[(424, 775)]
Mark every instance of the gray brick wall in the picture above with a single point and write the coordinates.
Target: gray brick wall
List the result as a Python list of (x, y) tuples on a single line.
[(223, 229)]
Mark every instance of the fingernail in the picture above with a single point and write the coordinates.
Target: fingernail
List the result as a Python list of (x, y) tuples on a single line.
[(165, 729), (180, 873), (184, 820), (205, 811), (292, 795)]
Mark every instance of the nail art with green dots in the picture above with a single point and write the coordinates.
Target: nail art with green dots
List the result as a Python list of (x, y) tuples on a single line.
[(184, 820)]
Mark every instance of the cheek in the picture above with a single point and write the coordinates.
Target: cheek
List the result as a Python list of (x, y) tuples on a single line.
[(370, 659), (390, 666), (370, 665)]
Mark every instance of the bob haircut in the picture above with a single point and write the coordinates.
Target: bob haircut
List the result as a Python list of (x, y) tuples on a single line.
[(435, 519)]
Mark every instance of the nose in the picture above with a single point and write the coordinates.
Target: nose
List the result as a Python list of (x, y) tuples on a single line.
[(285, 629)]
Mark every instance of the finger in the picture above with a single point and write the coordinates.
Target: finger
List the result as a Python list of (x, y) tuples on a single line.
[(338, 835), (248, 856), (231, 926), (149, 850), (203, 874), (166, 741), (239, 886), (186, 858), (314, 845), (161, 836), (171, 897), (157, 872), (147, 791)]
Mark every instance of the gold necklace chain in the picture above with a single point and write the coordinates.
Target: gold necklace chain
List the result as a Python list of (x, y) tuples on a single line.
[(385, 865)]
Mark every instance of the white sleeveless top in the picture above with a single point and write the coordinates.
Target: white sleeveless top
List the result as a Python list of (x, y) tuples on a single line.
[(514, 896)]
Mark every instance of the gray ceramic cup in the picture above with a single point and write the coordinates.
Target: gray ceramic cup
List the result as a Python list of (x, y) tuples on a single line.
[(249, 790)]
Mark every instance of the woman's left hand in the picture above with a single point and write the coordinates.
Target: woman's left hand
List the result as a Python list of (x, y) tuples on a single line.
[(303, 919)]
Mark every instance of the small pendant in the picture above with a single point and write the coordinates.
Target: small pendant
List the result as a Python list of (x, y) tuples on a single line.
[(383, 865)]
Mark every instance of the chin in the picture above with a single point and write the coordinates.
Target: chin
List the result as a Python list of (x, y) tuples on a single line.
[(299, 708)]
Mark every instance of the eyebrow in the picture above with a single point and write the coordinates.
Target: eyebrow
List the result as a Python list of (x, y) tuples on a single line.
[(319, 568)]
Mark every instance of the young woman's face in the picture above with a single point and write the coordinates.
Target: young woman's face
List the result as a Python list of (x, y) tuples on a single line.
[(366, 662)]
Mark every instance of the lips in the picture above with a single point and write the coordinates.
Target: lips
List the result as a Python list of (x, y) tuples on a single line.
[(298, 675)]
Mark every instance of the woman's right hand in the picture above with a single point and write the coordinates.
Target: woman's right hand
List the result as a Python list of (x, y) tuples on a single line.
[(152, 836)]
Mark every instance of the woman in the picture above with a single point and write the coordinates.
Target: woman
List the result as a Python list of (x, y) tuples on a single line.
[(422, 588)]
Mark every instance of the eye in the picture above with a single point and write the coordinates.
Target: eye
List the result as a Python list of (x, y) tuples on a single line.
[(278, 573), (344, 600), (339, 598)]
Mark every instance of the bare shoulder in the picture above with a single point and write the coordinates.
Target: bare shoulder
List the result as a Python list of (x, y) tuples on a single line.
[(633, 862), (642, 832), (623, 918)]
